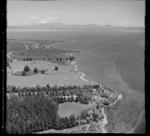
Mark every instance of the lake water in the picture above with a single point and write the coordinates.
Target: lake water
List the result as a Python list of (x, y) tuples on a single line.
[(140, 127), (100, 50)]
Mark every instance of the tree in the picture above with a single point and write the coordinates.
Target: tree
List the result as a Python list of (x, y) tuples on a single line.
[(95, 117), (26, 68), (62, 123), (35, 70), (71, 58), (48, 86), (55, 69), (31, 115), (72, 120), (97, 86), (85, 100), (63, 99), (83, 115), (70, 99), (78, 99), (42, 71), (67, 122), (23, 73)]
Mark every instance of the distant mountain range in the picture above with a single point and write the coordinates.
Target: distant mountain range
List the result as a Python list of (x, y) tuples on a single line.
[(57, 25)]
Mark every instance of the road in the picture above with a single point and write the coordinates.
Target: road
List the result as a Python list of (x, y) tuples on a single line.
[(27, 47), (8, 55), (87, 128), (47, 47), (36, 46)]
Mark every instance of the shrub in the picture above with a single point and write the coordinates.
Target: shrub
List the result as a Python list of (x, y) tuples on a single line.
[(35, 70), (23, 73), (56, 68), (42, 71), (71, 58), (26, 68)]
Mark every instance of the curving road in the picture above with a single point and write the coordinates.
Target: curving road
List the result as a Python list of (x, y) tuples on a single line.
[(8, 55), (36, 46), (27, 47), (47, 47)]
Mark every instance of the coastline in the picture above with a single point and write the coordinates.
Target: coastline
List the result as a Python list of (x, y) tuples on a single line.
[(82, 74), (136, 128), (82, 77)]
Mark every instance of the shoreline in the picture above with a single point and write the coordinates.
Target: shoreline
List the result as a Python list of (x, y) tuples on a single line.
[(138, 124), (82, 75)]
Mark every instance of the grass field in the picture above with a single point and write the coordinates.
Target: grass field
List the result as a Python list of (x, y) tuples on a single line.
[(64, 75), (67, 109), (29, 50)]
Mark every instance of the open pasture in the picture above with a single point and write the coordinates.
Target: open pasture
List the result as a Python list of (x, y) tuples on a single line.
[(28, 50), (51, 55), (69, 108)]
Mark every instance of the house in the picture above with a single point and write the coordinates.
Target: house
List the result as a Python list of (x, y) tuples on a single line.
[(88, 119), (100, 116), (90, 111), (83, 122), (99, 106)]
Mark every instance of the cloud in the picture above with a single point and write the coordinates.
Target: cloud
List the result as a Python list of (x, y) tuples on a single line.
[(36, 18), (19, 17), (48, 19), (42, 22), (33, 17)]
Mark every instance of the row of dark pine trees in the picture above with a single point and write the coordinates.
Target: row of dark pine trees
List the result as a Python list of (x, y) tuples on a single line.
[(65, 90), (33, 114), (54, 91)]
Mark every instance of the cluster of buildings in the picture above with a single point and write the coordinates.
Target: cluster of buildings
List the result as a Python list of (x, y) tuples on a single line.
[(104, 96), (94, 114)]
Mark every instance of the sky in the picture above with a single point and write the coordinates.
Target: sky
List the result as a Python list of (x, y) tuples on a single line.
[(101, 12)]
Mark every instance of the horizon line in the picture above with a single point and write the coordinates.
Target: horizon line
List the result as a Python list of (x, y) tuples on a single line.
[(109, 25)]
